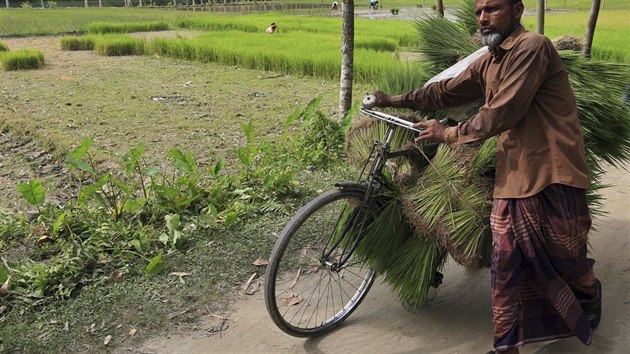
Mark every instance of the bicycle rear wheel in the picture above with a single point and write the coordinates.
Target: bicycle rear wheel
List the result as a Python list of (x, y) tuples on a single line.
[(309, 290)]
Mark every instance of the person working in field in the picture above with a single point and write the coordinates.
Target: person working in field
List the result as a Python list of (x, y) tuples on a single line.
[(272, 28), (543, 285), (334, 8)]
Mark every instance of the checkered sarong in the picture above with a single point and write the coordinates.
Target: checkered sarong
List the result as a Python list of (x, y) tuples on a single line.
[(540, 270)]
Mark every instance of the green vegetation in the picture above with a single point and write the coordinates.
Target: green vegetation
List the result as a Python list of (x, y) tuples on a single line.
[(77, 43), (4, 47), (611, 35), (117, 45), (22, 59), (108, 27)]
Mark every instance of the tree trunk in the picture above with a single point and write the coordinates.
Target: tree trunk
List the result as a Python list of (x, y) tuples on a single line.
[(7, 3), (439, 7), (42, 1), (347, 57), (100, 3), (540, 16), (590, 29), (86, 4)]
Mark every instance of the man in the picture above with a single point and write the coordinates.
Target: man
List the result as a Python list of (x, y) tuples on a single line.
[(272, 28), (543, 286)]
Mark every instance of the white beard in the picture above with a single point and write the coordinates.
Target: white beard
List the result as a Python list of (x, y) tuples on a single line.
[(492, 40)]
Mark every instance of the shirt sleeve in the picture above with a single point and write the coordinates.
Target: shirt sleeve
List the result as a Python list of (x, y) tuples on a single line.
[(446, 93), (512, 93)]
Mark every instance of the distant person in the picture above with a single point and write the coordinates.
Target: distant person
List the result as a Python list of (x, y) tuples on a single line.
[(334, 7), (272, 28), (373, 4)]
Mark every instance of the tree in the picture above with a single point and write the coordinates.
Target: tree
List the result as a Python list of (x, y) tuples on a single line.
[(439, 7), (86, 4), (540, 16), (347, 57), (590, 29), (7, 3)]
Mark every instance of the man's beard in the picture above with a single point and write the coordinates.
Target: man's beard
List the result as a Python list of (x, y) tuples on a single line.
[(494, 40)]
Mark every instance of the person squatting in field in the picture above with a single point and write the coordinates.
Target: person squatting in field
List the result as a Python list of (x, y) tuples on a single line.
[(543, 285)]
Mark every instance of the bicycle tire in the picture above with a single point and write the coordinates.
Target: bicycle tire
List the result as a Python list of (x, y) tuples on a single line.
[(294, 293)]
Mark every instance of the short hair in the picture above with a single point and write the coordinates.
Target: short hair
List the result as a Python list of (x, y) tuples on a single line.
[(514, 2)]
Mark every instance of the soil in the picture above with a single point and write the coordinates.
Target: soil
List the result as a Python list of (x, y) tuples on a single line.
[(458, 320)]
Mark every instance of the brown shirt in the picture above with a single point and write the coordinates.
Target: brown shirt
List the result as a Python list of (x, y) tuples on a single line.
[(529, 104)]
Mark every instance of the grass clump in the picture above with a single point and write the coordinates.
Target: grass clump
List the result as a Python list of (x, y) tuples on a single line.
[(125, 27), (22, 59), (116, 45), (4, 47), (72, 43)]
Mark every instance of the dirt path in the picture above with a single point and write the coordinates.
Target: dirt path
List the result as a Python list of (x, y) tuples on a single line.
[(457, 321)]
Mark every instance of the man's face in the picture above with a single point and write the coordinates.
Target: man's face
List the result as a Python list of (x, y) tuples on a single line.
[(496, 19)]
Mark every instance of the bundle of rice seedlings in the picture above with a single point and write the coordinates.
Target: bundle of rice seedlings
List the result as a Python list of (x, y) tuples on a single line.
[(22, 59), (116, 45), (73, 43), (443, 43), (408, 261), (362, 136)]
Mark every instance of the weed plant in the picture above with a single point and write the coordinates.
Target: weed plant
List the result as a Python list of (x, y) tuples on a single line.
[(3, 47), (125, 27), (72, 43), (22, 59), (136, 214)]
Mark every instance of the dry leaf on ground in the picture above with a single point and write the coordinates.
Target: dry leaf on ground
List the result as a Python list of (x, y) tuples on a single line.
[(254, 287), (249, 281), (133, 332), (115, 277), (107, 340), (261, 262), (293, 300)]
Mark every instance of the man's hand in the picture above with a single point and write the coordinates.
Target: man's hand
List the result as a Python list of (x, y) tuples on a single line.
[(382, 99), (431, 129)]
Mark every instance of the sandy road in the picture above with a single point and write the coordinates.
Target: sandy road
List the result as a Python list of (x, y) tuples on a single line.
[(457, 321)]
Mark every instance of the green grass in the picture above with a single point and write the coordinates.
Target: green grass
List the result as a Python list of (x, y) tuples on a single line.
[(109, 27), (610, 42), (4, 47), (118, 45), (22, 59), (77, 43)]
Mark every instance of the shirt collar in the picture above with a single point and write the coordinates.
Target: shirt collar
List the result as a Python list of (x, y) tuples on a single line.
[(509, 42)]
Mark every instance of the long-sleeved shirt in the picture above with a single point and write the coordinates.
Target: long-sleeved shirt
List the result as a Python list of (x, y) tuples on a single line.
[(529, 104)]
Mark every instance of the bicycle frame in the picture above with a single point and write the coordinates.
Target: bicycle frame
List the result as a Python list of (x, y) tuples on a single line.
[(379, 154)]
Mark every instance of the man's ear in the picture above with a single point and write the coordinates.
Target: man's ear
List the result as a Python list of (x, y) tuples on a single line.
[(517, 10)]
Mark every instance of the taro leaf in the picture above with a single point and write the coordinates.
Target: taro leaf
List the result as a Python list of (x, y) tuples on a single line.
[(122, 185), (243, 155), (347, 119), (32, 191), (311, 107), (183, 162), (248, 128), (156, 265), (136, 244), (90, 190), (59, 221), (295, 115), (131, 157), (214, 171), (133, 204), (173, 222), (4, 275), (75, 158), (151, 171)]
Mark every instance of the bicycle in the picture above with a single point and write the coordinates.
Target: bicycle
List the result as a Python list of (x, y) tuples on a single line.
[(315, 279)]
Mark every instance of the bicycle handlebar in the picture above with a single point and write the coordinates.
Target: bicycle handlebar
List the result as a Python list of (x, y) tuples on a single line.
[(388, 118)]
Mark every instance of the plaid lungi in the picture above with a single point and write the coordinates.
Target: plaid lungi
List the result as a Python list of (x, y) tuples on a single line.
[(540, 270)]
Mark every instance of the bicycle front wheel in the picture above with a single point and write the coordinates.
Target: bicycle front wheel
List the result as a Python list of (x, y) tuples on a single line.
[(314, 279)]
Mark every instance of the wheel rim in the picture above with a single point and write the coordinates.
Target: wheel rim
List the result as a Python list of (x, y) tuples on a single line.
[(311, 295)]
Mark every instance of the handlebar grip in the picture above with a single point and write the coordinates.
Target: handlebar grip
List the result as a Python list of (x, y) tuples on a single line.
[(369, 101)]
